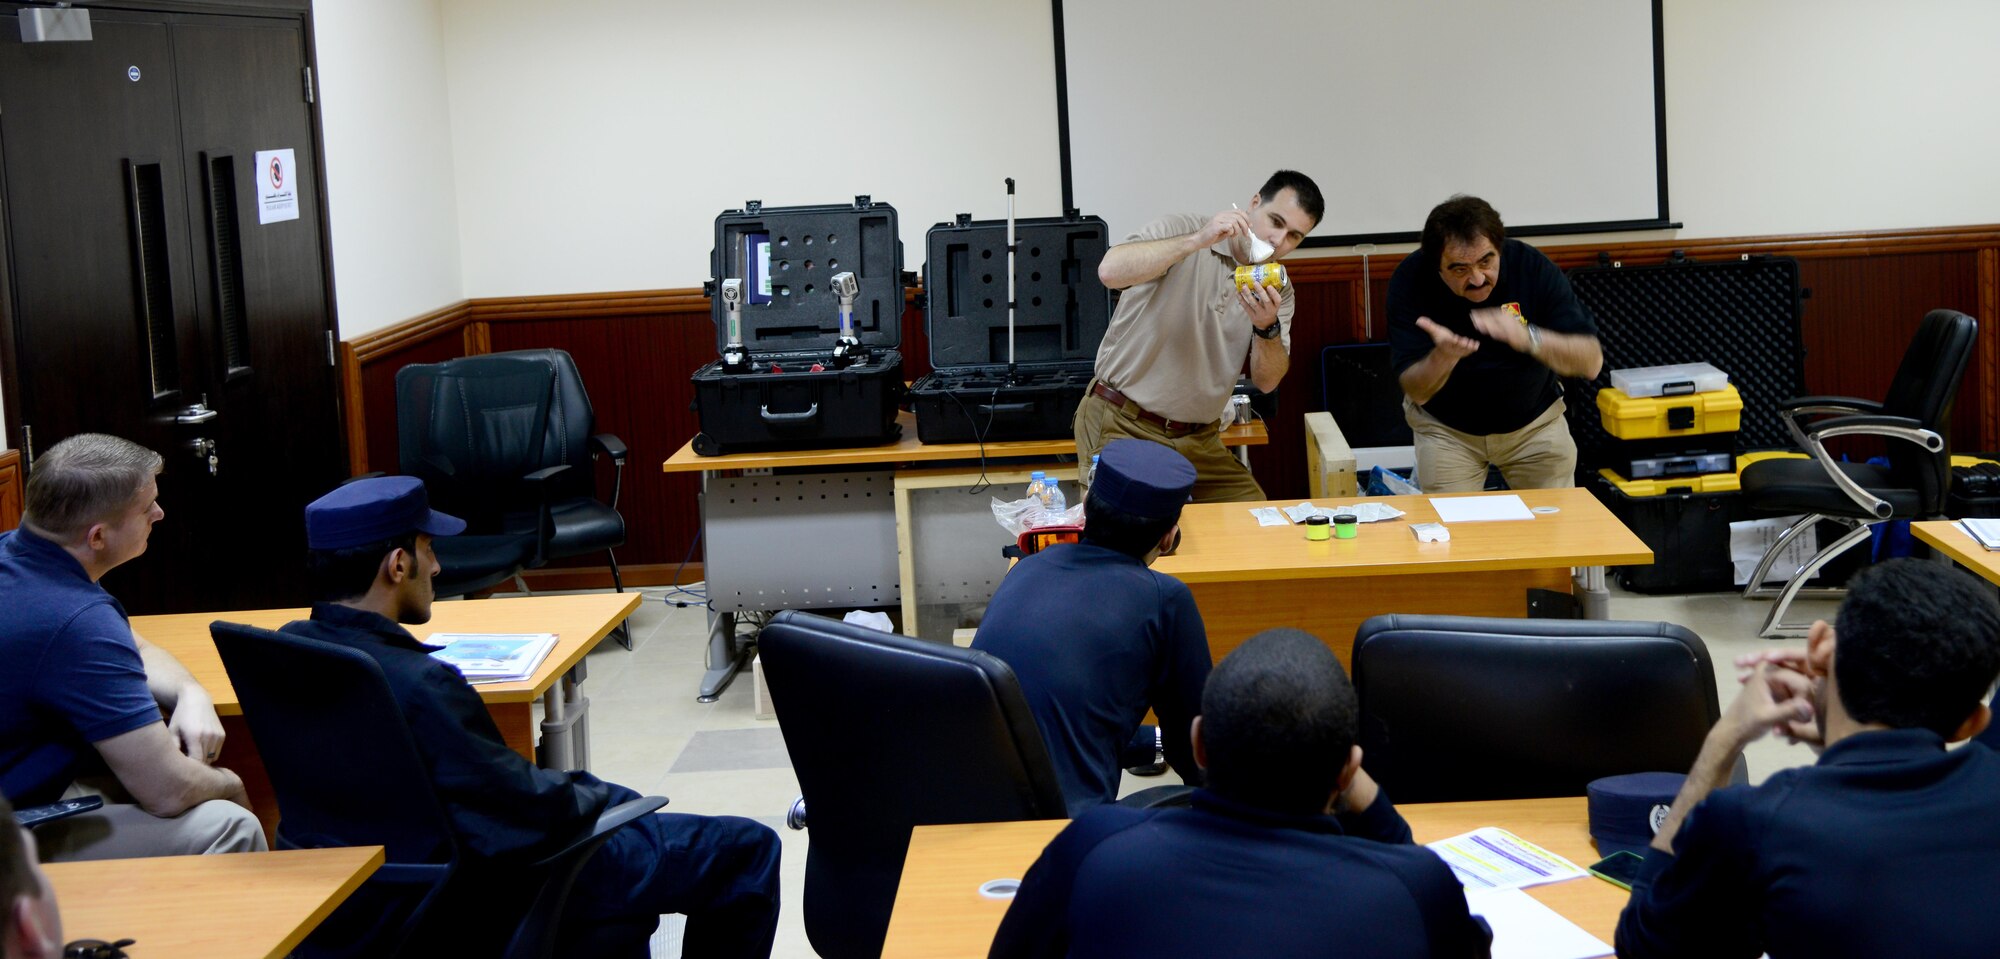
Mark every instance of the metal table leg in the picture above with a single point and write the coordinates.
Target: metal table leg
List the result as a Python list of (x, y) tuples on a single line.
[(725, 657), (1591, 593), (555, 750)]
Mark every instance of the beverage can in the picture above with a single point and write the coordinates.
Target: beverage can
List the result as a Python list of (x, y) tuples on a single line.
[(1261, 274)]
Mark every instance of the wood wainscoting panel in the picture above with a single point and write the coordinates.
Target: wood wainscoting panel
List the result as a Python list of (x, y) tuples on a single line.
[(638, 349), (12, 493)]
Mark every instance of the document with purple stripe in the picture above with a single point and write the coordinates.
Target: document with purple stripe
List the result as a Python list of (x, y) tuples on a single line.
[(1493, 858)]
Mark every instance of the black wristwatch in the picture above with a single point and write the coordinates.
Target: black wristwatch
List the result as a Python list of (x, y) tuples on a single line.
[(1269, 332)]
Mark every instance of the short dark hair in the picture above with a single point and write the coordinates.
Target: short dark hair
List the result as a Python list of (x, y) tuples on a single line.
[(1278, 720), (84, 479), (1460, 219), (337, 574), (1302, 186), (1112, 528), (1917, 645), (15, 879)]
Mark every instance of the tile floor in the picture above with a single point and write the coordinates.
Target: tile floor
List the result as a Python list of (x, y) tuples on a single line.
[(648, 732)]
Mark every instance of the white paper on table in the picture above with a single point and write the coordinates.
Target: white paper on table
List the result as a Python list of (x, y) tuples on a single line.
[(1751, 538), (1362, 512), (1269, 516), (1523, 928), (1481, 509), (1493, 858)]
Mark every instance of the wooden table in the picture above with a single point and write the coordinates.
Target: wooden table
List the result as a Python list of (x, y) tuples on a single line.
[(861, 548), (1945, 536), (580, 622), (1247, 578), (939, 912), (252, 905)]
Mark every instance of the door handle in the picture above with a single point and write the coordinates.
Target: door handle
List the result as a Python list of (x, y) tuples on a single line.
[(204, 450), (197, 413)]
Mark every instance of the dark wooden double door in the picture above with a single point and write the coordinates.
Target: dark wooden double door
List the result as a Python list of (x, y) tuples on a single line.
[(143, 297)]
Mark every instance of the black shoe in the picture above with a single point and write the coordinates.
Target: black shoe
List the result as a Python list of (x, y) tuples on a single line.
[(1153, 769)]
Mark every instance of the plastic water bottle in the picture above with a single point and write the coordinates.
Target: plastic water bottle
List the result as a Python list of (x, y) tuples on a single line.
[(1053, 504), (1037, 480), (1090, 478)]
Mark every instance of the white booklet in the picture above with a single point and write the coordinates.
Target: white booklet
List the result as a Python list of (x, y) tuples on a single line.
[(493, 657), (1493, 858), (1480, 509), (1985, 532)]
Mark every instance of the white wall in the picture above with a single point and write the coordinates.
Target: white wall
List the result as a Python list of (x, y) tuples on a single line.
[(586, 151), (596, 140), (389, 172)]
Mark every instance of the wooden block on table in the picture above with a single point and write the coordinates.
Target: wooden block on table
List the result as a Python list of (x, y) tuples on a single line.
[(1329, 460)]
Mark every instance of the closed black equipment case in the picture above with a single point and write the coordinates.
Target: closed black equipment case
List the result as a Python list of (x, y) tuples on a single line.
[(1061, 312), (798, 326)]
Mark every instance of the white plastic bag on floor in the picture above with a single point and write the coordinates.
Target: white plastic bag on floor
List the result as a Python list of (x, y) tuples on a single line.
[(870, 619)]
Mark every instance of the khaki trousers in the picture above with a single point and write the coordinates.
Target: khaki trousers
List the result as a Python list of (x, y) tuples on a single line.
[(1219, 476), (120, 829), (1540, 455)]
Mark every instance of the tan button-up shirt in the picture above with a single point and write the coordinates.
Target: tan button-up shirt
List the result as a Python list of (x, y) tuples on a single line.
[(1177, 343)]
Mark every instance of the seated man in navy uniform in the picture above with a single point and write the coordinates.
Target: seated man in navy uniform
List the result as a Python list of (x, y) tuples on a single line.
[(1889, 845), (1291, 850), (371, 561), (1096, 638)]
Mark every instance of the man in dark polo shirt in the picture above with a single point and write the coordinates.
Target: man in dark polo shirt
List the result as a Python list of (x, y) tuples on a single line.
[(1480, 327), (81, 694), (1887, 847), (370, 560), (1291, 851), (1097, 638)]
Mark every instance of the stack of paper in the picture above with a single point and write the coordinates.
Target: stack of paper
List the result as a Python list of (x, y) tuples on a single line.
[(1480, 509), (1493, 858), (493, 657), (1985, 532), (1526, 929)]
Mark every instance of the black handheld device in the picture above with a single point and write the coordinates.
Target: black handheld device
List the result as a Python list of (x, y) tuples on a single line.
[(36, 815), (1618, 869)]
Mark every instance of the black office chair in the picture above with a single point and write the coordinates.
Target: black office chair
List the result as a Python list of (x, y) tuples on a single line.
[(886, 733), (580, 522), (1915, 417), (306, 701), (472, 429), (1461, 708)]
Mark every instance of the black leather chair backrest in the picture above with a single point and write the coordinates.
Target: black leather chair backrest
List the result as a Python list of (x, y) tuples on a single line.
[(571, 421), (470, 428), (341, 759), (1925, 385), (1460, 708), (885, 733)]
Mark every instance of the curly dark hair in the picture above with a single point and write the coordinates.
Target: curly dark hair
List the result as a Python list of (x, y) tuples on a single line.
[(1917, 645), (1278, 720)]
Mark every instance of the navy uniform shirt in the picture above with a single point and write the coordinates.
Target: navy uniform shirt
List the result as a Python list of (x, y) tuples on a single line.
[(501, 806), (70, 674), (1889, 846), (1498, 389), (1096, 638), (1224, 879)]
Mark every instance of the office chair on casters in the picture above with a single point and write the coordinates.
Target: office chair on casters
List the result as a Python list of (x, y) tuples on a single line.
[(580, 523), (1463, 708), (887, 733), (472, 429), (1915, 416), (307, 700)]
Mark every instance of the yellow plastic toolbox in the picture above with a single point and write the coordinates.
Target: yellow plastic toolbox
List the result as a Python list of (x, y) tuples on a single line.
[(1651, 417), (1704, 483)]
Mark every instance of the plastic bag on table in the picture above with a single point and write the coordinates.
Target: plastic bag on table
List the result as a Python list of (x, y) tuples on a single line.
[(1020, 515)]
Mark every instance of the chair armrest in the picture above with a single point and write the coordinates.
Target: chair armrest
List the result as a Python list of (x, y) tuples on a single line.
[(540, 477), (1892, 427), (545, 523), (611, 445), (614, 448), (611, 818), (1846, 404)]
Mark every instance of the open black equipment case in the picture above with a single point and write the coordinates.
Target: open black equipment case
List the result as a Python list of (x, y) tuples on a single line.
[(1062, 310), (792, 394), (1743, 316)]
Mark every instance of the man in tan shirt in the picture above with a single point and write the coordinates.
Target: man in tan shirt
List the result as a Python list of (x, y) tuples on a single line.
[(1179, 338)]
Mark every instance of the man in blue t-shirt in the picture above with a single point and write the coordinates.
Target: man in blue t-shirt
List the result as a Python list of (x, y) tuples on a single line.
[(1480, 327), (81, 695), (1096, 638)]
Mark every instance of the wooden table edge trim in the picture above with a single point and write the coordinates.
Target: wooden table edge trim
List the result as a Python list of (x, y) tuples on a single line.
[(332, 902), (1350, 571), (686, 460)]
